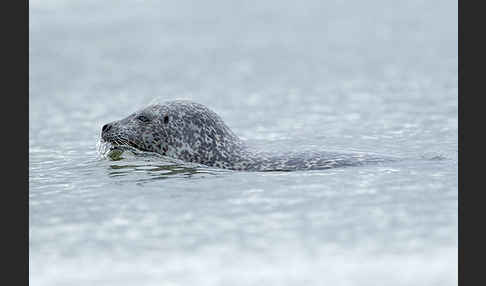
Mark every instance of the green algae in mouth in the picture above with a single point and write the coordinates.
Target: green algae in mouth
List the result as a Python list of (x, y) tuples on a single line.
[(115, 153)]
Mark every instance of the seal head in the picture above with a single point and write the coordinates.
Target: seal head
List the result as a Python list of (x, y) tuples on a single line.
[(180, 129)]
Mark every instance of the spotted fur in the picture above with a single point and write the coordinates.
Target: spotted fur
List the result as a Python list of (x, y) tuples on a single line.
[(191, 132)]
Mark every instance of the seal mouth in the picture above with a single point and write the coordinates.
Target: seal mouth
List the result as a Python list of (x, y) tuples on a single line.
[(120, 147), (119, 144), (129, 146)]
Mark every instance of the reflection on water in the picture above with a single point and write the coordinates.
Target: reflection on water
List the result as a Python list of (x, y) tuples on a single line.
[(163, 171)]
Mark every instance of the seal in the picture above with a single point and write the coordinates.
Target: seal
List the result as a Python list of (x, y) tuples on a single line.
[(191, 132)]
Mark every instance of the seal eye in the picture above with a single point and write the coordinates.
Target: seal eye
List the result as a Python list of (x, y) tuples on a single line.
[(166, 119), (143, 118)]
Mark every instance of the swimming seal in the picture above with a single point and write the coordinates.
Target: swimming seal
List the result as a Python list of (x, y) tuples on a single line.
[(191, 132)]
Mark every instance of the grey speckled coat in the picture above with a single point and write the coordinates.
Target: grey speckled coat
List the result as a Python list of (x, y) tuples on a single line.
[(191, 132)]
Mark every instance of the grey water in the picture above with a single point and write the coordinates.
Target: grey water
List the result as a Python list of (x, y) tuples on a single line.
[(348, 76)]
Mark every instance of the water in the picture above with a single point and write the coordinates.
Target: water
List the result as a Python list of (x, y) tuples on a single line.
[(375, 76)]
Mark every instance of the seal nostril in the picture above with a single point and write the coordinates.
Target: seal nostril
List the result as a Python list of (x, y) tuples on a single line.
[(106, 127)]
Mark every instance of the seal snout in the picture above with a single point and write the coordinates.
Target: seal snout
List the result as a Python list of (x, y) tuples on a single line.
[(106, 127), (105, 131)]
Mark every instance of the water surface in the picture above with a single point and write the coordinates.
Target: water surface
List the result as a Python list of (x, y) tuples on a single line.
[(344, 76)]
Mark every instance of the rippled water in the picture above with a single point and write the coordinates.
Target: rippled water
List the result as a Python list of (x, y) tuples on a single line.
[(375, 76)]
